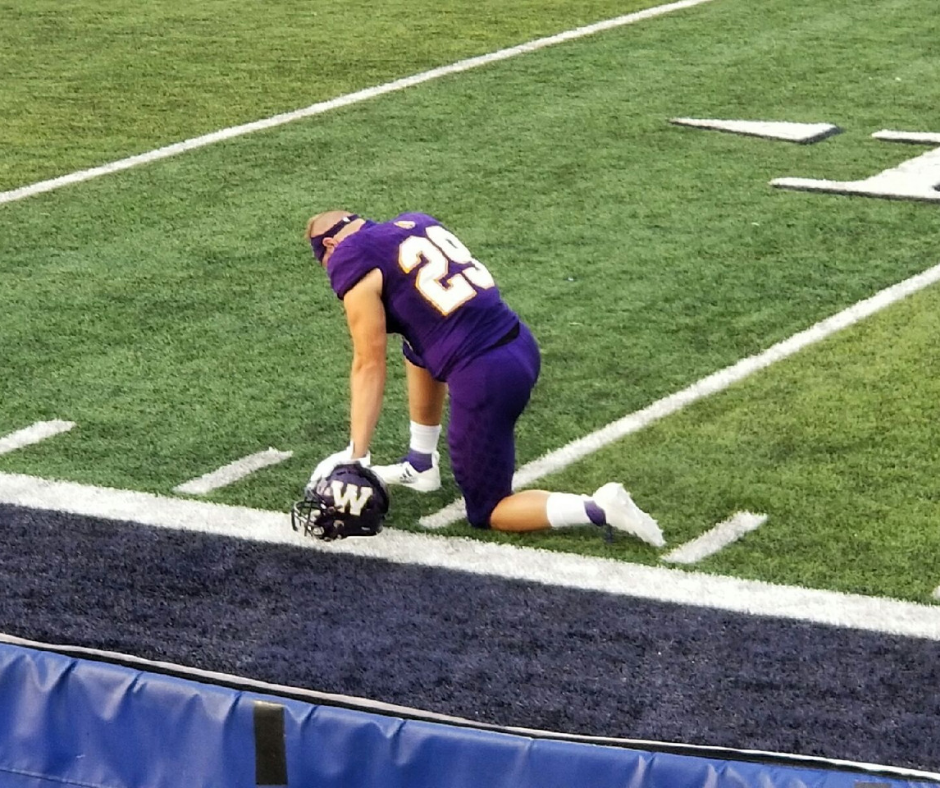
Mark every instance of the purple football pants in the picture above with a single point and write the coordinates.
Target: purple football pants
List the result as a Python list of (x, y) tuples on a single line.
[(487, 396)]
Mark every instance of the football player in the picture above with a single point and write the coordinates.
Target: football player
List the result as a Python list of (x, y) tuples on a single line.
[(412, 276)]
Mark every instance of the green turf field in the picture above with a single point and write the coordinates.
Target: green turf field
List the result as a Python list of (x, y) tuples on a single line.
[(172, 311), (95, 81)]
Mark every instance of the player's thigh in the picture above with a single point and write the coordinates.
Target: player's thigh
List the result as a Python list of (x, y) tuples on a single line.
[(487, 397)]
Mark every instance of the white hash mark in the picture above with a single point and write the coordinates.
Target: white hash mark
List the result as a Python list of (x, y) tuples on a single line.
[(233, 472), (33, 434), (716, 539)]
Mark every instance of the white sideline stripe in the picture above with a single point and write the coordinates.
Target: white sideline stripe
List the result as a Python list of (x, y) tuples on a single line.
[(33, 434), (718, 381), (716, 539), (342, 101), (231, 473), (481, 558)]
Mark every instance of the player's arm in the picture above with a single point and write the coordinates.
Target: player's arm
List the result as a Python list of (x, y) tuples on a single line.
[(365, 314)]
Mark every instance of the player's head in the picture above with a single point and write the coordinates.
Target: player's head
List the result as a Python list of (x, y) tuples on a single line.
[(325, 230)]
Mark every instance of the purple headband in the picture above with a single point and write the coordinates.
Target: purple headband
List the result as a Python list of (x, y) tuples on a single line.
[(316, 241)]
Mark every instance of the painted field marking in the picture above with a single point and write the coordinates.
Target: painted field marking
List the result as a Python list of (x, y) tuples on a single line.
[(718, 381), (231, 473), (914, 179), (716, 539), (936, 593), (482, 558), (789, 131), (34, 434), (912, 137), (342, 101)]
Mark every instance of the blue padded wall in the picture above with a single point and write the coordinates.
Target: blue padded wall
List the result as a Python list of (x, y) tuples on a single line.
[(67, 721)]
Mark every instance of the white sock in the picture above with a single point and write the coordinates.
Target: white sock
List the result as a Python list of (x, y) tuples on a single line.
[(566, 509), (424, 438)]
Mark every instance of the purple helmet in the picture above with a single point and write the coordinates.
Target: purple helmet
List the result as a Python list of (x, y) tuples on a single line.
[(351, 501)]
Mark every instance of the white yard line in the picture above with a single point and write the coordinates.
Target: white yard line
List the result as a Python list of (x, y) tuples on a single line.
[(718, 381), (33, 434), (342, 101), (498, 560), (233, 472), (716, 539)]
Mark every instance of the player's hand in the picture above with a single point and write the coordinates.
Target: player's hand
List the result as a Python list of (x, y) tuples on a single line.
[(325, 467)]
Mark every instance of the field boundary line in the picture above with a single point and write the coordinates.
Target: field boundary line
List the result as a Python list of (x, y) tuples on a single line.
[(712, 384), (321, 107), (509, 561)]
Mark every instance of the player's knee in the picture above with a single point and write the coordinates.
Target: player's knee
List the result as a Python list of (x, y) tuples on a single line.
[(479, 516), (482, 523)]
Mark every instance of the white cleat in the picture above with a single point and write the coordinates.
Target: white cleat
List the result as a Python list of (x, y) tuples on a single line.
[(404, 473), (624, 515)]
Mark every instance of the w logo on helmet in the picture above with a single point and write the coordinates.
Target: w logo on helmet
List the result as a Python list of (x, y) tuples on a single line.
[(350, 498), (351, 501)]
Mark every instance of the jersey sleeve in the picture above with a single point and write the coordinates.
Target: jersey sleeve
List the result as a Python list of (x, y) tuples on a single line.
[(348, 264)]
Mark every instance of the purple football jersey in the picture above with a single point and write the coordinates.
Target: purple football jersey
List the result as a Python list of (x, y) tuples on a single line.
[(437, 296)]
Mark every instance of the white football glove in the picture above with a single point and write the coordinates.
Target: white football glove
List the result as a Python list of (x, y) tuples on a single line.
[(325, 467)]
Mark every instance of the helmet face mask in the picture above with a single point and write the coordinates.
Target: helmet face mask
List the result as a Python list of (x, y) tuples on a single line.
[(351, 501)]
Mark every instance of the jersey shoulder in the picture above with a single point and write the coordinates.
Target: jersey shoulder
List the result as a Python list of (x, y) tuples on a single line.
[(413, 221), (375, 246), (357, 255)]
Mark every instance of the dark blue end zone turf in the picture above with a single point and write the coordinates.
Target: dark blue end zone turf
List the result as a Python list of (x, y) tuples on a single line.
[(498, 651)]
